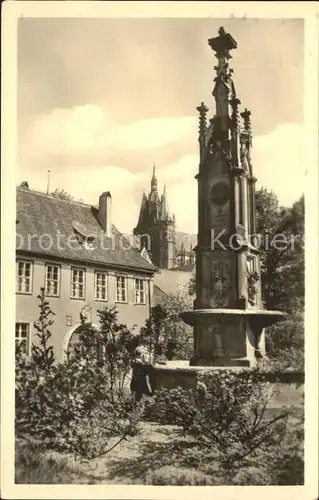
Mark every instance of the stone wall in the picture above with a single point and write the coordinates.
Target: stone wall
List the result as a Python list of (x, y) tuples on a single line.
[(290, 384)]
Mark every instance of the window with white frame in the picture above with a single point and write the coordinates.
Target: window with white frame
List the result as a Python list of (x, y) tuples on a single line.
[(52, 280), (24, 276), (121, 289), (22, 337), (100, 285), (77, 283), (140, 297)]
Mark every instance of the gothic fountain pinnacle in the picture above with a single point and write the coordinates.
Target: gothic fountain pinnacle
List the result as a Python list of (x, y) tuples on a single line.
[(228, 315)]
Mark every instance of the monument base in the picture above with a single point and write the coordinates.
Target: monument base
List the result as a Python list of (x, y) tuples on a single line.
[(229, 337)]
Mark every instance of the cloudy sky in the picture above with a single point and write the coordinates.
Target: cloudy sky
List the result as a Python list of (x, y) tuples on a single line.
[(100, 100)]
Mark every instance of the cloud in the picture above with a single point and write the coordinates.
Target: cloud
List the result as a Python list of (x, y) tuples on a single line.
[(88, 133), (277, 160)]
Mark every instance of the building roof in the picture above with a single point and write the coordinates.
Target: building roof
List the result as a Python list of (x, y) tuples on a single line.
[(46, 225), (144, 253)]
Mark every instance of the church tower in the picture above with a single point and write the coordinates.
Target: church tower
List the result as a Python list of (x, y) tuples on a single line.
[(156, 228)]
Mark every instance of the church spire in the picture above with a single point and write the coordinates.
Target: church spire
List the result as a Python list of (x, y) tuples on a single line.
[(156, 222), (154, 180), (143, 209), (154, 199), (164, 207)]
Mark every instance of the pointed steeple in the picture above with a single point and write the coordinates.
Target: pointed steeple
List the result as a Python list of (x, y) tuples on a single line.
[(143, 209), (156, 222), (164, 210), (154, 201), (154, 180)]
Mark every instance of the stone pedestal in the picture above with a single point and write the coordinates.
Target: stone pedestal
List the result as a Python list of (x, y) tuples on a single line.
[(229, 337)]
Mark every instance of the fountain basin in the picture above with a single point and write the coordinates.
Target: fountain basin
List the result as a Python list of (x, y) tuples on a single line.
[(263, 316), (229, 337)]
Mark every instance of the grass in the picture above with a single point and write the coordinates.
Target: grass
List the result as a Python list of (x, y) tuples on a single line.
[(143, 459), (158, 455), (32, 466)]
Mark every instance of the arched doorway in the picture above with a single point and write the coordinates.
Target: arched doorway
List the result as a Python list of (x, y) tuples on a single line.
[(72, 336)]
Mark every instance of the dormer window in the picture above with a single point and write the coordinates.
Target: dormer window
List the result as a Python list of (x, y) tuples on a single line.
[(84, 237), (89, 243)]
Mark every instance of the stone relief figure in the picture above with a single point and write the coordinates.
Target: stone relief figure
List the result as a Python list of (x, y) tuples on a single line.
[(252, 287), (243, 157), (220, 283), (86, 315)]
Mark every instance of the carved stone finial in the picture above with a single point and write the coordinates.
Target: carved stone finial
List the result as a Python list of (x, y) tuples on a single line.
[(246, 117), (223, 43), (247, 125), (235, 102), (203, 110)]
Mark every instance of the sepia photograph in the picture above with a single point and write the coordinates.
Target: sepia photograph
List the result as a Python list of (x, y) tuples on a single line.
[(159, 199)]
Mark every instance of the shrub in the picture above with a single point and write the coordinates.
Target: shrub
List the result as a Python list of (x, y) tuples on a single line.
[(165, 333), (226, 416), (77, 405), (33, 377), (285, 343), (285, 462)]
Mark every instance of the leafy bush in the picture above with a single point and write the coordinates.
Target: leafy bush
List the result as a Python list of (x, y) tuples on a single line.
[(226, 416), (166, 333), (285, 463), (282, 269), (79, 404), (285, 343)]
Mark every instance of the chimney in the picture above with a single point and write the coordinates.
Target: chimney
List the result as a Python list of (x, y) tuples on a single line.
[(105, 213)]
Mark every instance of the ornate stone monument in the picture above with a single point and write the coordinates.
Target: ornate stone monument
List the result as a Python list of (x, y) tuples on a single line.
[(228, 315)]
